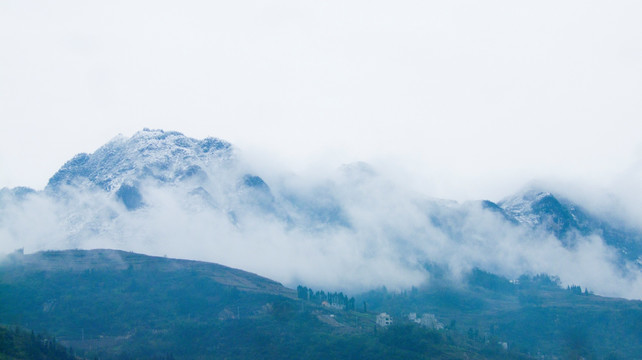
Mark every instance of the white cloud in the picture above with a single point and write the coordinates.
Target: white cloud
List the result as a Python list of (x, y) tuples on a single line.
[(383, 234), (469, 98)]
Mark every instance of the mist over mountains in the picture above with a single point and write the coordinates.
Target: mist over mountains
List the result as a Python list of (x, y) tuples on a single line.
[(162, 193)]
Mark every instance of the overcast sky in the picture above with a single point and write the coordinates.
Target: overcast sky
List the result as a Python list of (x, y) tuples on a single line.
[(461, 99)]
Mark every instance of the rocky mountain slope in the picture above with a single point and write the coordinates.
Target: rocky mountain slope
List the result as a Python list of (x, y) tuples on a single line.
[(568, 221)]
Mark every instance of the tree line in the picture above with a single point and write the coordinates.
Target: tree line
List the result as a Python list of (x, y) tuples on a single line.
[(337, 299)]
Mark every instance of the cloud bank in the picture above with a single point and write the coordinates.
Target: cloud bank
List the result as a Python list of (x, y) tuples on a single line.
[(353, 230)]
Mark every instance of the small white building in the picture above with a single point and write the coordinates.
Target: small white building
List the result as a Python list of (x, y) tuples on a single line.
[(384, 319), (413, 317), (431, 322)]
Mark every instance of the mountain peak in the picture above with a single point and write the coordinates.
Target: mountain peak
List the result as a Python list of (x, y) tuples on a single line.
[(541, 208), (521, 205), (165, 156)]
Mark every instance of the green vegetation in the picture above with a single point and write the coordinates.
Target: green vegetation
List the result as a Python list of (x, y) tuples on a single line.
[(18, 344), (336, 299), (117, 305), (533, 315)]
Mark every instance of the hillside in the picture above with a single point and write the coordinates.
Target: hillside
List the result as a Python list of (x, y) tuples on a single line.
[(113, 304), (533, 315), (102, 299)]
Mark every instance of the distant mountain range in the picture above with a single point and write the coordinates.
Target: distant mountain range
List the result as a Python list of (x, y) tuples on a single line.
[(165, 175), (517, 278)]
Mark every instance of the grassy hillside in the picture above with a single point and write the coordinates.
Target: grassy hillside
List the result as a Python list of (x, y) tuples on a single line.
[(117, 305), (111, 299)]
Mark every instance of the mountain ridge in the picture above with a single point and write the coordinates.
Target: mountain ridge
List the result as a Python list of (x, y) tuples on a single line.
[(165, 156), (159, 188), (119, 260)]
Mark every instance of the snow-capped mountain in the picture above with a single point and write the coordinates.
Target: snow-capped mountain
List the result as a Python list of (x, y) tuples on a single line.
[(522, 206), (148, 154), (206, 167), (568, 221), (162, 192)]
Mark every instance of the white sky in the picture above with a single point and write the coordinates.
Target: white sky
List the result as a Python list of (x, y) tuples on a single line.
[(462, 99)]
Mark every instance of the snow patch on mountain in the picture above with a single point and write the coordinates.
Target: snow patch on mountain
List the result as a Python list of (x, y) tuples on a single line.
[(163, 156), (520, 206)]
